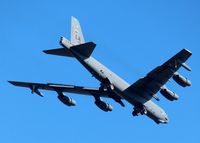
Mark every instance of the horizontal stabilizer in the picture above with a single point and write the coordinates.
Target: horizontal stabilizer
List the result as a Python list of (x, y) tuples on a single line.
[(60, 52), (85, 49)]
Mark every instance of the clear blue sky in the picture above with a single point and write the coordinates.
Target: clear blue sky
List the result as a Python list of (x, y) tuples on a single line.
[(132, 38)]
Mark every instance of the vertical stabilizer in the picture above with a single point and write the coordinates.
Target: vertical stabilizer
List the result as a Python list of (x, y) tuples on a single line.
[(76, 32)]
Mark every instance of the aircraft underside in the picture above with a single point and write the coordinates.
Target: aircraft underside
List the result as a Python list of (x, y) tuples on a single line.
[(139, 94)]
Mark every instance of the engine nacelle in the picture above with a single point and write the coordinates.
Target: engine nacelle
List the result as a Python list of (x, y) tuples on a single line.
[(103, 105), (182, 81), (67, 100), (169, 94)]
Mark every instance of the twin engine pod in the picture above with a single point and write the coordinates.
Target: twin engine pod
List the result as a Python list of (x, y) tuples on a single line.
[(182, 81), (103, 105), (71, 102), (169, 94), (67, 100)]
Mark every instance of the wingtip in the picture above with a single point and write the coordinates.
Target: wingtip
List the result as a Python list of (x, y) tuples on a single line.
[(187, 51), (45, 51), (11, 82)]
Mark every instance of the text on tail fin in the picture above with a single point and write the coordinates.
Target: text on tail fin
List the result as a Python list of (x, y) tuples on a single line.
[(76, 32)]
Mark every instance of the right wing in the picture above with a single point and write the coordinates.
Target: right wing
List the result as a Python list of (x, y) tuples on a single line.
[(158, 77), (60, 88)]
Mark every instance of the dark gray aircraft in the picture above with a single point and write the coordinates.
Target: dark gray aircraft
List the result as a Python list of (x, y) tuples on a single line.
[(138, 94)]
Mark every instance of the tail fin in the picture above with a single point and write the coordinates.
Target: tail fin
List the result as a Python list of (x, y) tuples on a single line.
[(76, 32), (77, 43)]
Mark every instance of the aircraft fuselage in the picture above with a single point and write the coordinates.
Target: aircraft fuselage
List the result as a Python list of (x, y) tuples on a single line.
[(100, 72)]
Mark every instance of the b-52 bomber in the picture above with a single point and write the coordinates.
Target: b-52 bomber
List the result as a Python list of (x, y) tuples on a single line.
[(138, 94)]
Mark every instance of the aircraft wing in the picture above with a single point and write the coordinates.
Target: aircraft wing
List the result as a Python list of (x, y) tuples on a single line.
[(154, 80), (60, 88)]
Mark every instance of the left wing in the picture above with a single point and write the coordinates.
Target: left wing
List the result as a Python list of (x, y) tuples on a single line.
[(59, 88), (155, 80)]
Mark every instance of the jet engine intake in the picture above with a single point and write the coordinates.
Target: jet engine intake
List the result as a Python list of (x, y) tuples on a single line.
[(182, 81), (168, 94), (103, 105)]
